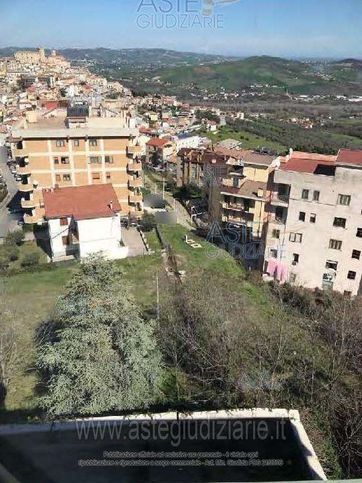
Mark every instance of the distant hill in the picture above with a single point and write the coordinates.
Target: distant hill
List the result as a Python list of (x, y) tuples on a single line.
[(295, 76), (131, 57)]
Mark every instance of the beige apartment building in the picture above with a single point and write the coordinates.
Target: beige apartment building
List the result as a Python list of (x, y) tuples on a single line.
[(315, 222), (244, 191), (60, 152)]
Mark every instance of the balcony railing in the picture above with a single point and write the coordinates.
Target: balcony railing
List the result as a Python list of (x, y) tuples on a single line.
[(134, 167), (135, 182), (25, 187), (23, 170), (32, 219), (136, 198), (280, 198), (28, 203)]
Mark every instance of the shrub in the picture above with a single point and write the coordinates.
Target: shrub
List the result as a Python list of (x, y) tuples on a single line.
[(30, 260), (148, 222), (15, 237)]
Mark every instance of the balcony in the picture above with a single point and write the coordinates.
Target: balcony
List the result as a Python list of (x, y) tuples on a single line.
[(133, 150), (135, 182), (26, 204), (134, 167), (280, 199), (25, 187), (135, 198), (23, 170), (33, 219)]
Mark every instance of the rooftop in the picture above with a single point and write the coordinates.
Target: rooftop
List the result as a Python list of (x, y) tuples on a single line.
[(248, 189), (81, 202), (314, 163), (350, 156), (157, 142), (246, 155)]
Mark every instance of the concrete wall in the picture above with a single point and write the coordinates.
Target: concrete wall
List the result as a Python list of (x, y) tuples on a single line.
[(101, 235)]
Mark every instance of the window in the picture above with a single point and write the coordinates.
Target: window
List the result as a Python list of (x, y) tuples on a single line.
[(316, 195), (76, 143), (67, 177), (108, 176), (93, 142), (347, 293), (344, 200), (313, 218), (340, 222), (351, 275), (64, 160), (95, 159), (331, 264), (96, 176), (356, 254), (58, 177), (295, 258), (108, 159), (235, 182), (335, 244), (65, 240), (273, 253), (64, 222), (296, 237), (56, 160), (301, 216), (276, 234), (305, 194), (359, 232), (60, 143)]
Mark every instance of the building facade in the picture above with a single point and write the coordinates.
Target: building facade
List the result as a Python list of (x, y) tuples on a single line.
[(62, 154), (83, 221), (245, 192), (315, 222)]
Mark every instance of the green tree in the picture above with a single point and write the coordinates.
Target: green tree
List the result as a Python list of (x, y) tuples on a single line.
[(14, 237), (148, 222), (102, 355), (30, 260)]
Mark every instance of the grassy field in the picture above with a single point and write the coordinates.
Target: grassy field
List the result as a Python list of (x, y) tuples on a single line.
[(248, 140), (32, 295)]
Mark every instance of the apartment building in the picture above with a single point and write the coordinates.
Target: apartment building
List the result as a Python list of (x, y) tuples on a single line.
[(314, 234), (245, 192), (200, 167), (77, 150)]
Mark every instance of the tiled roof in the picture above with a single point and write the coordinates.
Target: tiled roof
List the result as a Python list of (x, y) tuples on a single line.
[(81, 202), (350, 156), (301, 162), (157, 142)]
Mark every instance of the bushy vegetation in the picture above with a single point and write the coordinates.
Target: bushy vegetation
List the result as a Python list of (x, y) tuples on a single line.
[(98, 354)]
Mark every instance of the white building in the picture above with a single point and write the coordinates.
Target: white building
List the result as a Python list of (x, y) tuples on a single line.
[(187, 142), (314, 234), (83, 221)]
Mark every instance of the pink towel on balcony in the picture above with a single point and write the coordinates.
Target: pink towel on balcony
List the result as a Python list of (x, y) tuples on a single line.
[(272, 265), (284, 274)]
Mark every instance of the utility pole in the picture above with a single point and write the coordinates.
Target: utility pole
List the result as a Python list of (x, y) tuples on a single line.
[(158, 298)]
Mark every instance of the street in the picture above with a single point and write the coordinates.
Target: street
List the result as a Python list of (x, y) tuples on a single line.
[(8, 221)]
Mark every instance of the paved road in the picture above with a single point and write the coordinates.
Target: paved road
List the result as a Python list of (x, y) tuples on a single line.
[(8, 221)]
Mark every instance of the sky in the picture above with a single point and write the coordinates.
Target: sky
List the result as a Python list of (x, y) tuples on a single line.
[(286, 28)]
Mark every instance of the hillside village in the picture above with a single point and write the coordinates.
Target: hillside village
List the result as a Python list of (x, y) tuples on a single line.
[(167, 209)]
